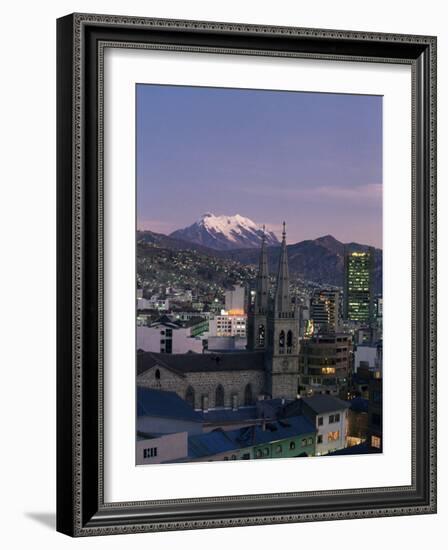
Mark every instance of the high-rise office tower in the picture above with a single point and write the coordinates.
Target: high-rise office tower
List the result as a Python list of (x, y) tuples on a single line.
[(358, 286), (324, 310)]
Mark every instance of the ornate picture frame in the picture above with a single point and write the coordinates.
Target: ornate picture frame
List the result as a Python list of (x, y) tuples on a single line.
[(81, 506)]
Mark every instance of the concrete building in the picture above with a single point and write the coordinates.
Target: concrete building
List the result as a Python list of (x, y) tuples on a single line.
[(163, 448), (325, 310), (235, 300), (330, 417), (325, 364), (167, 336), (228, 324)]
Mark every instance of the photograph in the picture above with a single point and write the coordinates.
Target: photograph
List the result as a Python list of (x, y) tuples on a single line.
[(259, 288)]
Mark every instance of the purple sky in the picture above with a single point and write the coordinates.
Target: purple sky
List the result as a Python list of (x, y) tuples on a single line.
[(312, 159)]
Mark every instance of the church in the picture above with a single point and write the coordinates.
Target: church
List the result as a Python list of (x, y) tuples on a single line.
[(268, 368)]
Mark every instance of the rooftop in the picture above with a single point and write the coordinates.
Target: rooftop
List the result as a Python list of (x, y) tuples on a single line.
[(211, 443), (164, 404), (325, 403), (198, 362)]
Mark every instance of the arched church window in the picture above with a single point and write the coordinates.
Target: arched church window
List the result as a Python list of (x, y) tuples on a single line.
[(189, 396), (219, 396), (261, 334), (157, 374), (281, 341), (289, 339), (248, 397)]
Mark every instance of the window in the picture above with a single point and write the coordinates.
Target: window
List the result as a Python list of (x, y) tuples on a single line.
[(261, 333), (258, 453), (219, 396), (304, 442), (150, 453), (337, 417), (189, 396), (320, 420), (292, 446), (157, 374), (320, 438), (333, 436), (281, 339), (278, 449), (310, 441), (375, 441), (248, 397), (331, 419), (233, 457), (289, 339), (266, 451)]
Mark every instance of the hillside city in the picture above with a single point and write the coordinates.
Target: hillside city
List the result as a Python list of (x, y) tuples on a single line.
[(249, 347)]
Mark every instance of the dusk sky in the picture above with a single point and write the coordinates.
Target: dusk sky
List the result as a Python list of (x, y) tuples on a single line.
[(311, 159)]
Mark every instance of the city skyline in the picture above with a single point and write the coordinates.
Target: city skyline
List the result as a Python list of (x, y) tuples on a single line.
[(311, 159)]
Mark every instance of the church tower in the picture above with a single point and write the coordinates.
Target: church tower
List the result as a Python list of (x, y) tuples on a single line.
[(257, 318), (282, 356)]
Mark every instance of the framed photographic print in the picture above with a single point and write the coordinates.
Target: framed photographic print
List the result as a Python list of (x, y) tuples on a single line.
[(246, 274)]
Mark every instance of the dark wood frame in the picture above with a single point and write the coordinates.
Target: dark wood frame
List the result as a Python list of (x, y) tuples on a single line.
[(81, 510)]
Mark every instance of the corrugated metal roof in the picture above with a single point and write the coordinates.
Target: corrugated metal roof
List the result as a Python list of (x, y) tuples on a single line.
[(216, 442), (164, 404)]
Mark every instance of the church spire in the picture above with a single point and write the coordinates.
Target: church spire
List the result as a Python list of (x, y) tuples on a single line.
[(262, 287), (282, 301)]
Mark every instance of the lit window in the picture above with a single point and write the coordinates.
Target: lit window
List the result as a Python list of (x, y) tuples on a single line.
[(333, 436), (375, 442)]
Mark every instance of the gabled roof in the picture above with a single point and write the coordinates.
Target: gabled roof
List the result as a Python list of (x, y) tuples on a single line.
[(164, 404), (216, 442), (200, 362), (325, 403)]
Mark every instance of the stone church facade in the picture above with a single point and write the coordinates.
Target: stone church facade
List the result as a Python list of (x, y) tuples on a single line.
[(269, 367)]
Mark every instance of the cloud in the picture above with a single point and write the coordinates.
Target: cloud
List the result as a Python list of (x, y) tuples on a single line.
[(364, 192), (368, 191)]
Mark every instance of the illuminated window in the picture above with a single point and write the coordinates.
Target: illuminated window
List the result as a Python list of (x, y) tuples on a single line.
[(333, 436), (375, 442)]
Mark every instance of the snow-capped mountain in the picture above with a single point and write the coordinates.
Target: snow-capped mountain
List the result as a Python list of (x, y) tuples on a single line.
[(225, 233)]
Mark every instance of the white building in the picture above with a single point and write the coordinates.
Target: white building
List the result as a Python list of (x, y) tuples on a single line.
[(235, 300), (166, 336), (330, 416), (162, 448), (228, 325)]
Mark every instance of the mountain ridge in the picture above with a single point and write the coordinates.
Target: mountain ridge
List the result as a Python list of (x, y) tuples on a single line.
[(320, 260), (225, 232)]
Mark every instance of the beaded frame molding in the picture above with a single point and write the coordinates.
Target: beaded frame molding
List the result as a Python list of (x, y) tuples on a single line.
[(81, 40)]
